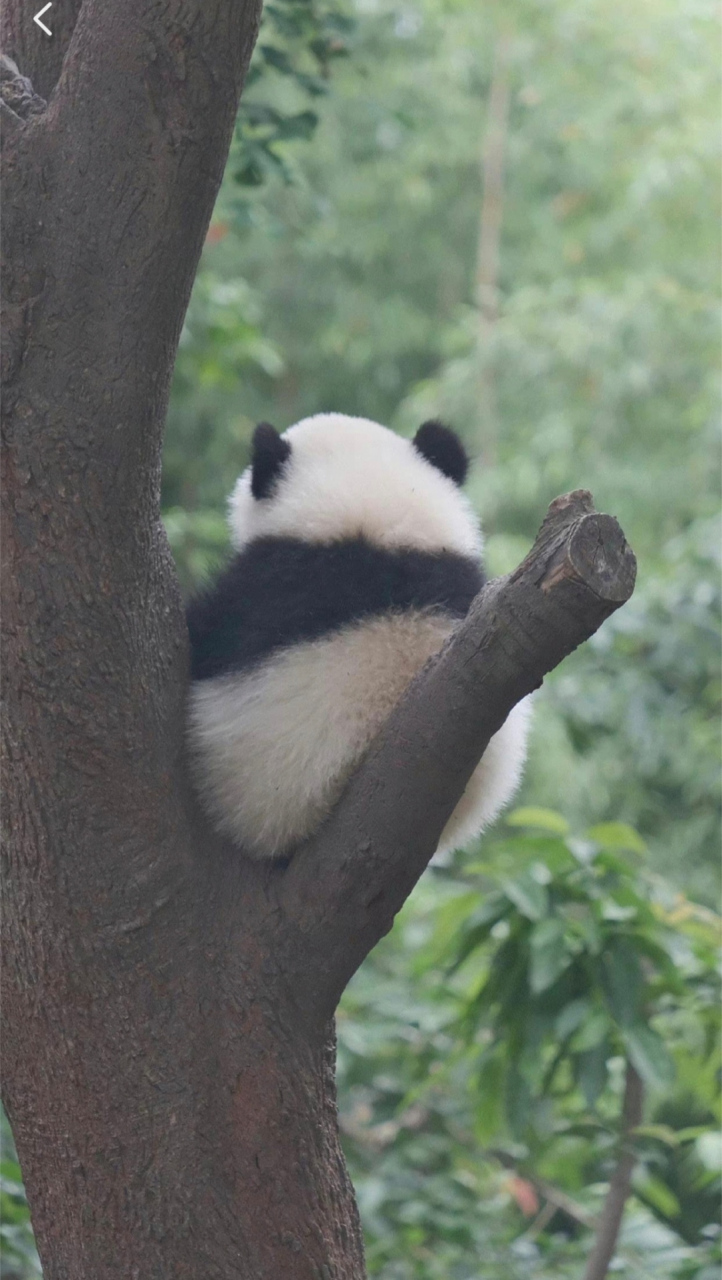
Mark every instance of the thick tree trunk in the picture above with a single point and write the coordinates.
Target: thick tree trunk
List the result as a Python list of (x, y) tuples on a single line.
[(168, 1005)]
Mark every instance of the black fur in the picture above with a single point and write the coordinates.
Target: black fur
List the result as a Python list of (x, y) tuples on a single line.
[(443, 449), (280, 591), (270, 451)]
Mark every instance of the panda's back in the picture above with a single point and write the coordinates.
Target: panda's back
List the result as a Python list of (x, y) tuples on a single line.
[(299, 654), (281, 592)]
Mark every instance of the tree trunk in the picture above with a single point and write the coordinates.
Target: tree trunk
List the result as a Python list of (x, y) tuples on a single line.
[(168, 1046)]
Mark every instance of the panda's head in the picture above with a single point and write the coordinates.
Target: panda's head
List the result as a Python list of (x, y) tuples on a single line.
[(332, 477)]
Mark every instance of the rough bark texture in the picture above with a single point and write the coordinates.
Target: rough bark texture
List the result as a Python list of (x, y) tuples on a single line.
[(168, 1043), (40, 57)]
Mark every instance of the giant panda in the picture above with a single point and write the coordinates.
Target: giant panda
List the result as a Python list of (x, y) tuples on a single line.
[(356, 557)]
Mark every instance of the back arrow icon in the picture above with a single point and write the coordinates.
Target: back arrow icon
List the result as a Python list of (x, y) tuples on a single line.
[(39, 15)]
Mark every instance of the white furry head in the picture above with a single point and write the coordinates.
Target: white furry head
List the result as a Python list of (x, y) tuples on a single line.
[(331, 477)]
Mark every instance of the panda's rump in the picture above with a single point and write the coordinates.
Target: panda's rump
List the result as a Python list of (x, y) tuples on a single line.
[(274, 745)]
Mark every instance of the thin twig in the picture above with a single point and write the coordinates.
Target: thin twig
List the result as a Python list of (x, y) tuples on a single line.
[(487, 265), (611, 1216)]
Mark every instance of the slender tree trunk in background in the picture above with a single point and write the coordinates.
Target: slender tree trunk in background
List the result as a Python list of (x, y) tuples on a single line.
[(168, 1050), (487, 261), (611, 1218)]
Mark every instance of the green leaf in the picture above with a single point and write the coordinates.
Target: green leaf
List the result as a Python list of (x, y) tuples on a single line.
[(489, 1109), (258, 113), (591, 1071), (299, 126), (278, 59), (592, 1031), (616, 913), (571, 1017), (506, 980), (546, 819), (549, 954), (517, 1101), (518, 850), (617, 835), (661, 960), (656, 1194), (660, 1132), (692, 1132), (591, 1128), (491, 910), (459, 926), (471, 940), (649, 1055), (313, 85), (528, 896), (12, 1186), (582, 925), (622, 980), (288, 24), (250, 175)]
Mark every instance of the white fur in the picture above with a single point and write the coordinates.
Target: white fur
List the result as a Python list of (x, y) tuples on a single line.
[(274, 747), (348, 477)]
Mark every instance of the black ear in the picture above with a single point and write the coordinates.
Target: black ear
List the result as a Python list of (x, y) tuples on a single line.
[(269, 453), (443, 449)]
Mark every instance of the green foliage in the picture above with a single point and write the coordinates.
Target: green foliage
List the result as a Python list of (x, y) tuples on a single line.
[(498, 1079), (604, 353), (298, 43), (631, 721), (17, 1246), (592, 963), (221, 342)]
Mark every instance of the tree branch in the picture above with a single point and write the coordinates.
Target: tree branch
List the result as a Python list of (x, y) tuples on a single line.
[(394, 809), (611, 1216), (17, 92), (121, 172), (39, 57), (490, 222)]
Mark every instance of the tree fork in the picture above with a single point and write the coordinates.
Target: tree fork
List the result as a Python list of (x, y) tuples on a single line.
[(167, 1049)]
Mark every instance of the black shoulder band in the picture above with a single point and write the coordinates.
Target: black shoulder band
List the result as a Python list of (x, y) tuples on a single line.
[(279, 592)]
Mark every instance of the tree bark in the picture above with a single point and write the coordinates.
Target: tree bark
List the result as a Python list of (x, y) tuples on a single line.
[(168, 1005), (40, 56), (610, 1221)]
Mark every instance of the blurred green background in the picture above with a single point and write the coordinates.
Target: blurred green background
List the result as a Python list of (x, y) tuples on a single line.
[(506, 215)]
